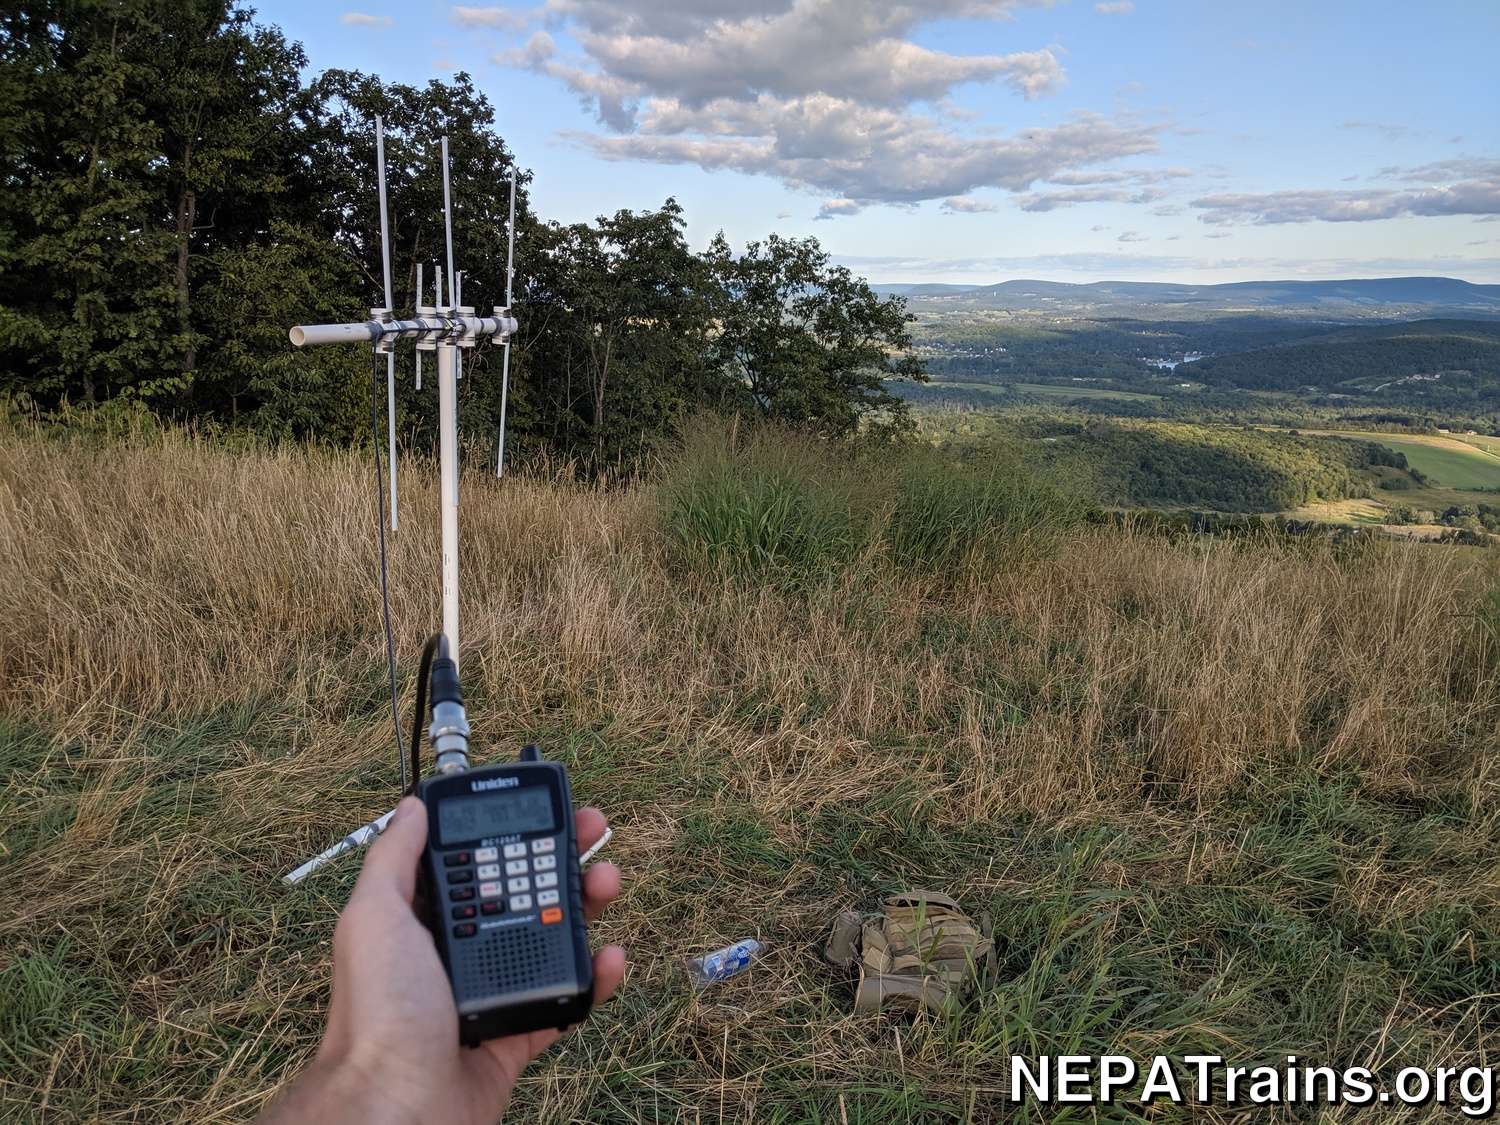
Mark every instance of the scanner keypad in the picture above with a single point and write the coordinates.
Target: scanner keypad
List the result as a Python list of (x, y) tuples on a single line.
[(529, 881)]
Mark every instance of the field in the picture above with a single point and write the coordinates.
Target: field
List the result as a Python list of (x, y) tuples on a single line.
[(1233, 796), (1466, 463)]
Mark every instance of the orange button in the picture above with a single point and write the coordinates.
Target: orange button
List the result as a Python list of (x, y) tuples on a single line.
[(550, 915)]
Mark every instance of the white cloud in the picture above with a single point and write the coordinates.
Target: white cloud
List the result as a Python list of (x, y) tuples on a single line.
[(1115, 7), (832, 208), (1133, 236), (504, 19), (363, 19), (1464, 197), (869, 154), (829, 96), (1098, 227), (1052, 200), (966, 204)]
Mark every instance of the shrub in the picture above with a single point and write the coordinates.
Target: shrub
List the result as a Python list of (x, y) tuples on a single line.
[(751, 500)]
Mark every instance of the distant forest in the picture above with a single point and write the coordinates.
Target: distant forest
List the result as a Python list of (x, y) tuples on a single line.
[(176, 196)]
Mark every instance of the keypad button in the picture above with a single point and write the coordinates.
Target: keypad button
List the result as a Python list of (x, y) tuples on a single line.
[(489, 871), (465, 929), (517, 886), (547, 898), (546, 879), (545, 844), (491, 907), (515, 867), (486, 855), (545, 862), (461, 894), (460, 876), (490, 890), (512, 851), (550, 915), (520, 902), (455, 859), (464, 911)]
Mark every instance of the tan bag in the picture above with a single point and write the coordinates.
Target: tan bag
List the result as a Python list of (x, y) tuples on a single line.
[(920, 951)]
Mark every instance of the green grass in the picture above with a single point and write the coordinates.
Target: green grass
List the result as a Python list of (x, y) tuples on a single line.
[(1450, 464), (1233, 796), (802, 511), (1458, 462)]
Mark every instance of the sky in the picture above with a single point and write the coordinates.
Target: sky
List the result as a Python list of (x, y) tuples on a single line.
[(974, 141)]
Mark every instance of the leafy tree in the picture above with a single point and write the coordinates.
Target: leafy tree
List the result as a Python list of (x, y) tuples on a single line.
[(807, 342), (84, 297), (616, 333)]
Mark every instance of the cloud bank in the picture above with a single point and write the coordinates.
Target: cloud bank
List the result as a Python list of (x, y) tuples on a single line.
[(832, 97)]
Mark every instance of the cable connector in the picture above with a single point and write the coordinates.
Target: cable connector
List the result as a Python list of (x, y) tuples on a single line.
[(449, 733)]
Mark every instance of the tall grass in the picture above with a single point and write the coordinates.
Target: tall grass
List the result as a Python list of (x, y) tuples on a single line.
[(1237, 795), (762, 500)]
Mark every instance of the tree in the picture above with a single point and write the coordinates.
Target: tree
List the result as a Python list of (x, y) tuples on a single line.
[(176, 137), (807, 342), (615, 334), (84, 298), (226, 98)]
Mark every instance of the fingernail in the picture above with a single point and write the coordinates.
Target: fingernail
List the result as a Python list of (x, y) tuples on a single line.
[(403, 809)]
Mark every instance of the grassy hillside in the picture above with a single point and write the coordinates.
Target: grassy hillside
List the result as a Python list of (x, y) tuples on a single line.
[(1152, 463), (1231, 796)]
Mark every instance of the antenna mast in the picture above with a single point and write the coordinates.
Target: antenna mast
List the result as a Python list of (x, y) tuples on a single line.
[(385, 313), (510, 270)]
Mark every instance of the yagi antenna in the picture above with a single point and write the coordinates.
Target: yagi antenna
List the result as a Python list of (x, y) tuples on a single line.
[(444, 329)]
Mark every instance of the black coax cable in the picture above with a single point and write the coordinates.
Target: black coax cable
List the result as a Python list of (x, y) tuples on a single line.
[(385, 589)]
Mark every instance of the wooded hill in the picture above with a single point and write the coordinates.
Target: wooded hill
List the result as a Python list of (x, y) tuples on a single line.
[(1371, 354)]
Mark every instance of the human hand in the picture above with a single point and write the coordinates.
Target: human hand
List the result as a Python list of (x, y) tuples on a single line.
[(390, 1052)]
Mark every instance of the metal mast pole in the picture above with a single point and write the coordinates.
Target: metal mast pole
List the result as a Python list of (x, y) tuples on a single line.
[(510, 269), (447, 364), (390, 356), (447, 368)]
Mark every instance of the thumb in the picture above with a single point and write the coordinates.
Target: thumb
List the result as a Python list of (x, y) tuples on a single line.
[(391, 865)]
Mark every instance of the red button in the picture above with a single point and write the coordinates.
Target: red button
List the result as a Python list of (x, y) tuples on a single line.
[(550, 915), (489, 908)]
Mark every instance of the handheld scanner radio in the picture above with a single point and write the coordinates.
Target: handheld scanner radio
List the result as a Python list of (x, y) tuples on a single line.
[(503, 888)]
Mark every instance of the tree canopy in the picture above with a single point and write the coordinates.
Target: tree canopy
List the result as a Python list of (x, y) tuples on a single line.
[(176, 195)]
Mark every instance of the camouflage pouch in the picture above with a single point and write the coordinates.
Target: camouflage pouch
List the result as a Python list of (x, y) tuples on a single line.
[(920, 951)]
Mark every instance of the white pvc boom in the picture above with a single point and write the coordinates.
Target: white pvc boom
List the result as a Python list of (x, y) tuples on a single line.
[(454, 327)]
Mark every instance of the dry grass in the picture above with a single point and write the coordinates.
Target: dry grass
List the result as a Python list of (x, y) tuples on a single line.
[(1227, 794)]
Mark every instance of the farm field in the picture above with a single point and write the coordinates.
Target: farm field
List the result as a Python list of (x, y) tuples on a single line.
[(1452, 462), (1204, 807)]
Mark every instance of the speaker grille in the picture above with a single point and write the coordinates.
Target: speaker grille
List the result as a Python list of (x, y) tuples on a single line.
[(520, 958)]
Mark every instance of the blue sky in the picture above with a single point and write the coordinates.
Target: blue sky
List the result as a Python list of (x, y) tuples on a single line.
[(980, 140)]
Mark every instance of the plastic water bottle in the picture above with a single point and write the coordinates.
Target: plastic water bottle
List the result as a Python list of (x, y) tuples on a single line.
[(724, 963)]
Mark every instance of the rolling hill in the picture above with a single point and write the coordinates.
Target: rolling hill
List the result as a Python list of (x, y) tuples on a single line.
[(1366, 358), (1391, 297)]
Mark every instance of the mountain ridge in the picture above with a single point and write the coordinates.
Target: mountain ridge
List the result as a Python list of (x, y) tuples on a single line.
[(1345, 294)]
